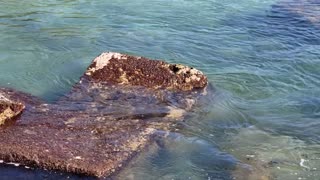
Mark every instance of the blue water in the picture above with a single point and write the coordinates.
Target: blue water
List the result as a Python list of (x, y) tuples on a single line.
[(262, 57)]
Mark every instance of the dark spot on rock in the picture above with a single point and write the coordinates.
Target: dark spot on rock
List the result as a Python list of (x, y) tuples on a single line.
[(174, 68), (272, 163)]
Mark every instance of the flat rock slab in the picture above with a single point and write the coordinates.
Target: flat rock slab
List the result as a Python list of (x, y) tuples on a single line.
[(108, 117)]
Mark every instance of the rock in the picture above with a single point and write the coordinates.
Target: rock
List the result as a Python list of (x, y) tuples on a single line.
[(9, 109), (306, 9), (139, 71), (112, 114)]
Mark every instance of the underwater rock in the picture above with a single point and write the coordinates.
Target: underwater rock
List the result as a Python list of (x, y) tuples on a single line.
[(306, 9), (108, 117)]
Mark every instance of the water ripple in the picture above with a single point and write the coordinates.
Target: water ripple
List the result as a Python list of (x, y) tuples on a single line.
[(262, 57)]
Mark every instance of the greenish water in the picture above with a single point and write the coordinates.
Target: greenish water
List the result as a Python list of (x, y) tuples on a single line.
[(262, 57)]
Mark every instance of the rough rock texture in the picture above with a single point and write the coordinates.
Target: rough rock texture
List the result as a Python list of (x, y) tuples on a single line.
[(108, 117), (124, 69), (9, 109)]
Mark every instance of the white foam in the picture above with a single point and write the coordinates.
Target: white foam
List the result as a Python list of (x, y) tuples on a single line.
[(302, 165)]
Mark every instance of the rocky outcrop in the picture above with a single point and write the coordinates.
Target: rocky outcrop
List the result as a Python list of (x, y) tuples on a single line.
[(140, 71), (109, 116), (9, 109)]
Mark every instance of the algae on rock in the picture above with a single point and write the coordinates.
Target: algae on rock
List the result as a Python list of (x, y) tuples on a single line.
[(109, 116)]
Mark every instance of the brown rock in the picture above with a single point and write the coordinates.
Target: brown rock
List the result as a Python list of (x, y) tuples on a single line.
[(105, 120), (9, 109), (124, 69)]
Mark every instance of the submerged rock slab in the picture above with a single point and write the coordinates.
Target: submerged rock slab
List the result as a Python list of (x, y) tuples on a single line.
[(109, 116), (307, 9)]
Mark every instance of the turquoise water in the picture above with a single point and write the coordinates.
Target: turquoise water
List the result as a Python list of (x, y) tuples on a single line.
[(262, 57)]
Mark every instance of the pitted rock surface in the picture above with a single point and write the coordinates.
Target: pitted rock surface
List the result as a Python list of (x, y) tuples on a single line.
[(101, 123), (9, 109), (140, 71)]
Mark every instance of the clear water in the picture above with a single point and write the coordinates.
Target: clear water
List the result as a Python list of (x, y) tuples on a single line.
[(262, 57)]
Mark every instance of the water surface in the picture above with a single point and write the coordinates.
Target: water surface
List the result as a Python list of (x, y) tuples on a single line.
[(263, 58)]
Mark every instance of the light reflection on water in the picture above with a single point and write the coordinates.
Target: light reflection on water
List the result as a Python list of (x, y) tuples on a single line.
[(263, 57)]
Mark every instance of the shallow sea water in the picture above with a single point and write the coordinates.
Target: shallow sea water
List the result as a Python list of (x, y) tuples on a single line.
[(262, 57)]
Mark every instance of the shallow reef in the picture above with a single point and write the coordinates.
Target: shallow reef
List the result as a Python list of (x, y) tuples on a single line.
[(110, 115), (306, 10)]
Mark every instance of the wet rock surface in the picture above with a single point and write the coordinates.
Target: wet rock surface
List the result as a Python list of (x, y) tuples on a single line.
[(9, 109), (140, 71), (109, 116)]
